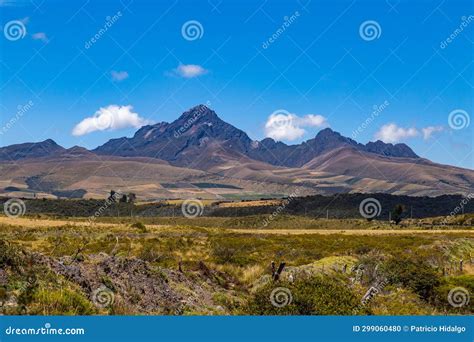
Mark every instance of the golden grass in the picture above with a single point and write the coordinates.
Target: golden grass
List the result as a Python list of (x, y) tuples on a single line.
[(258, 203), (153, 228), (352, 231)]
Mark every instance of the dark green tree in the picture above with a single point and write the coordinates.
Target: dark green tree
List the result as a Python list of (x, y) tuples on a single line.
[(397, 213), (112, 196)]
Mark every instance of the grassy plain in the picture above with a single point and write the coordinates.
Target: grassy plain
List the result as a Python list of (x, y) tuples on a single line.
[(222, 266)]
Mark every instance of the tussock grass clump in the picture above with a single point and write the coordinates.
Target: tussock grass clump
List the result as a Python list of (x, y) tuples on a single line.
[(140, 226), (61, 302)]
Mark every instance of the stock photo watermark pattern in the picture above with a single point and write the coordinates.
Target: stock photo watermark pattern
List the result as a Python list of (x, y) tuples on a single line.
[(281, 297), (377, 110), (109, 202), (370, 30), (109, 22), (280, 209), (14, 30), (202, 110), (46, 330), (465, 21), (14, 208), (370, 208), (458, 297), (331, 177), (459, 119), (287, 22), (192, 208), (21, 111), (103, 297), (192, 30)]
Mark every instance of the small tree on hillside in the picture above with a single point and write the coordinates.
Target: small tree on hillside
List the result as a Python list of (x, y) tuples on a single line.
[(397, 213), (112, 196)]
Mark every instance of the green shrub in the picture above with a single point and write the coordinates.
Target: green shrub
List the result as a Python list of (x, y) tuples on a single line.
[(317, 295), (462, 294), (412, 273), (9, 255)]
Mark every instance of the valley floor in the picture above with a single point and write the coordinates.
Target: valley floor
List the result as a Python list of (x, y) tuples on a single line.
[(223, 266)]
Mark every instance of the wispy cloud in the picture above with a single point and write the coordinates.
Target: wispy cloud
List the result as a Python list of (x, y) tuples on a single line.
[(109, 118), (118, 75), (40, 36), (430, 130), (391, 133), (190, 70), (282, 125)]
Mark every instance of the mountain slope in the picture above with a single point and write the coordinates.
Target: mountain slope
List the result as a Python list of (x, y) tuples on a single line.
[(194, 137), (393, 175), (30, 150), (200, 155), (181, 141)]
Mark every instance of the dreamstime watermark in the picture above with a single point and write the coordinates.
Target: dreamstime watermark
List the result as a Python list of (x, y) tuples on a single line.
[(105, 120), (280, 297), (46, 330), (370, 208), (112, 199), (109, 22), (380, 283), (103, 297), (14, 208), (465, 21), (373, 291), (281, 119), (370, 30), (458, 297), (280, 208), (21, 110), (377, 110), (459, 119), (288, 21), (192, 208), (14, 30), (196, 115), (459, 208), (192, 30)]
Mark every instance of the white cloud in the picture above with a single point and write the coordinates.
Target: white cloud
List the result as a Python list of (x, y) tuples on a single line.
[(119, 75), (428, 131), (190, 70), (40, 36), (391, 133), (282, 125), (312, 120), (109, 118)]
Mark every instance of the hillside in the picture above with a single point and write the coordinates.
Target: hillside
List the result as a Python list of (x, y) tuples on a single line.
[(167, 160)]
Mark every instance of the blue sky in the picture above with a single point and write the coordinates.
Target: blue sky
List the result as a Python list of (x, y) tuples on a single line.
[(320, 69)]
